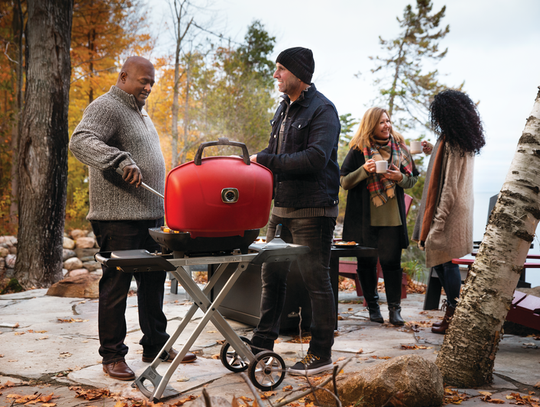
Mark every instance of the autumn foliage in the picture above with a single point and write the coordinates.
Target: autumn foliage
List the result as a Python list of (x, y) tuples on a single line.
[(225, 88)]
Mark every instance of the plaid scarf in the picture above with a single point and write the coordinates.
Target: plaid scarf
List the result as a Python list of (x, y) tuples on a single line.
[(380, 188)]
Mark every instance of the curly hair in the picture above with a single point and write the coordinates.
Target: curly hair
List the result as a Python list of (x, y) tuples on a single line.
[(455, 117), (364, 135)]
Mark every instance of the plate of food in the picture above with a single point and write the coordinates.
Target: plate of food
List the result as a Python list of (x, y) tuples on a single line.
[(342, 243)]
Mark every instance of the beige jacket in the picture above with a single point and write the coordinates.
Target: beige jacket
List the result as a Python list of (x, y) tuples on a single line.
[(451, 232)]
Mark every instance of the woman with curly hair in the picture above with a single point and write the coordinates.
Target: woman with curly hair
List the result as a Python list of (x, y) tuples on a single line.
[(444, 225), (375, 215)]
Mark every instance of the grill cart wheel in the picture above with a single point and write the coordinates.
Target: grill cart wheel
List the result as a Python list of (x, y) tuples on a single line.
[(267, 370), (232, 360)]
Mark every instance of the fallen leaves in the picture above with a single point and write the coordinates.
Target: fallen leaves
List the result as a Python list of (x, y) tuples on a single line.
[(454, 397), (267, 394), (8, 384), (71, 320), (300, 339), (414, 347), (487, 398), (90, 394), (182, 401), (243, 401), (523, 400), (32, 399)]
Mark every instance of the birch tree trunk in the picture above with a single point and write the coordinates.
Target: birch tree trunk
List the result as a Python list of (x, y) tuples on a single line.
[(43, 144), (468, 352)]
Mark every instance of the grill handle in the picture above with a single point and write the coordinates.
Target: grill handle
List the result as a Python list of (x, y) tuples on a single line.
[(119, 171), (222, 141)]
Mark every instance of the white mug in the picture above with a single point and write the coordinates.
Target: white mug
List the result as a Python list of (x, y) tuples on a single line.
[(381, 166), (416, 147)]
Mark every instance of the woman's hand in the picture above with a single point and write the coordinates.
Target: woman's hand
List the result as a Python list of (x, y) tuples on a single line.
[(427, 147), (394, 174), (369, 166)]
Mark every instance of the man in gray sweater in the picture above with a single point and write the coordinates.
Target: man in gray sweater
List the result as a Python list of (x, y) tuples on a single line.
[(116, 133)]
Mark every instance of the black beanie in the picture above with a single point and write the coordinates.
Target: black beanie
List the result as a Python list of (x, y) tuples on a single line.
[(299, 61)]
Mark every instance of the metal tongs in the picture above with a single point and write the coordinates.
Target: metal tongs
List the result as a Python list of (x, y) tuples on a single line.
[(119, 171)]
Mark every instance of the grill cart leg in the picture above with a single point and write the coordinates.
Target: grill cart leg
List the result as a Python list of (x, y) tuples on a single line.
[(211, 314)]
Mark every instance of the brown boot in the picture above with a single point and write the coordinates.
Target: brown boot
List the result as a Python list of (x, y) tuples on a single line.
[(443, 326), (443, 308)]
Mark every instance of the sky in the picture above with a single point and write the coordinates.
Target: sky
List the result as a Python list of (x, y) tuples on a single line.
[(493, 46)]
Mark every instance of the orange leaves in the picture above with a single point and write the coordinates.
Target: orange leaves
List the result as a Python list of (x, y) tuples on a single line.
[(90, 394), (487, 398), (520, 400), (182, 401), (415, 347), (303, 339), (8, 384), (70, 320), (243, 401), (32, 399), (454, 397)]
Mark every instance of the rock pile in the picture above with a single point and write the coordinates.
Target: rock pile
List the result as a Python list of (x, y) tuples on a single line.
[(79, 248), (8, 254)]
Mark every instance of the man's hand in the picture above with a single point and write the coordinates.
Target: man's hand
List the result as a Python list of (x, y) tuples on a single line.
[(253, 158), (132, 174)]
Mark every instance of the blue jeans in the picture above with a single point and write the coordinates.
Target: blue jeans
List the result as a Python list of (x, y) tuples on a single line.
[(450, 280), (114, 289), (317, 234)]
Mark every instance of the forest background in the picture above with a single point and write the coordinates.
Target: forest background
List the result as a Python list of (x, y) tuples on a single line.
[(225, 64)]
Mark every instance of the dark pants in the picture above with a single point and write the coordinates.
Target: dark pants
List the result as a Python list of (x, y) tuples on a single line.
[(317, 234), (114, 288), (389, 255), (450, 278)]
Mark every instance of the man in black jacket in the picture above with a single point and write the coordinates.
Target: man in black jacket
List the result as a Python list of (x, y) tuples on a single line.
[(302, 154)]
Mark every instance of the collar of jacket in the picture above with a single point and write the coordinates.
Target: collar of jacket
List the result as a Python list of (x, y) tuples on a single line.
[(127, 98), (304, 98)]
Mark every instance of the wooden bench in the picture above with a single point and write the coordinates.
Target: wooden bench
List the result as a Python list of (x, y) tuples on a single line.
[(433, 290), (525, 310)]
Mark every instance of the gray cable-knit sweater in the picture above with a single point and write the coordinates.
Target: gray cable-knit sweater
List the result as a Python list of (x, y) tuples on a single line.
[(114, 133)]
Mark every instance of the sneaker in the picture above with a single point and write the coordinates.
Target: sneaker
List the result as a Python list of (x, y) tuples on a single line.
[(311, 365)]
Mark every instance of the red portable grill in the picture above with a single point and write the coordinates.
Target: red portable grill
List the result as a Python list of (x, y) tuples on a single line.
[(215, 204)]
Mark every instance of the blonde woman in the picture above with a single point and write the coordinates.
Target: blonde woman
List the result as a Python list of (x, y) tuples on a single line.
[(375, 215)]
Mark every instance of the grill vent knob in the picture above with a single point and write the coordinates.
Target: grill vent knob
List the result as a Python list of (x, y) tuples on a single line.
[(229, 195)]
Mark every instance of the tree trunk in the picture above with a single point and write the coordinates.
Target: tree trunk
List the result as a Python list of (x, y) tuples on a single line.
[(467, 355), (185, 144), (180, 10), (174, 124), (19, 27), (43, 144)]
